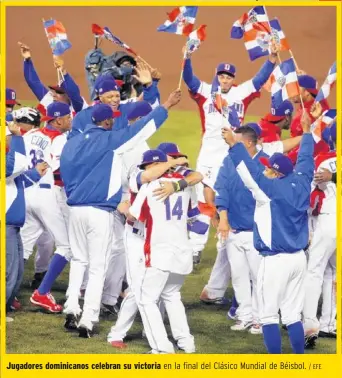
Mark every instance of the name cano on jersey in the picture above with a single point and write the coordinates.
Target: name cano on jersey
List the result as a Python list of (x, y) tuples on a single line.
[(39, 141)]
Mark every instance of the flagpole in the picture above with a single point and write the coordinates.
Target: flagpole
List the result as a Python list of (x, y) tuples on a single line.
[(182, 69), (294, 60)]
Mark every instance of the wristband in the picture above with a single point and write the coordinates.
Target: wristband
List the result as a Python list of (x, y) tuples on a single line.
[(175, 186), (182, 184)]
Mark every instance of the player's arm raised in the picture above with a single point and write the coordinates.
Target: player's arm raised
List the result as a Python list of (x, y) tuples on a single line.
[(192, 81)]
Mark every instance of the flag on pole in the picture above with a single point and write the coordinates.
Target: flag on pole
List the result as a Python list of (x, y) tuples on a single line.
[(327, 85), (195, 38), (57, 37), (278, 35), (255, 29), (180, 21), (284, 82), (322, 123), (107, 34)]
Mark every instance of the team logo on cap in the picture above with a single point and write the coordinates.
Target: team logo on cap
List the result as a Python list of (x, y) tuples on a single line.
[(275, 166), (155, 158), (227, 67), (56, 114), (13, 95), (281, 81), (287, 111), (273, 111)]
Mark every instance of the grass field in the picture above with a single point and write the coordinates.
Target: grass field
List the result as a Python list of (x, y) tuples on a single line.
[(36, 332)]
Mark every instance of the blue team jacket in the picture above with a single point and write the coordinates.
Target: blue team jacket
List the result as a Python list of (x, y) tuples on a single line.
[(232, 195), (281, 214), (91, 161)]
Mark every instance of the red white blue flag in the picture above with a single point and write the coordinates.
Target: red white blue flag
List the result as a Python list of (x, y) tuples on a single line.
[(322, 123), (180, 21), (327, 85), (57, 37), (255, 29), (278, 35), (107, 34), (195, 38), (284, 82)]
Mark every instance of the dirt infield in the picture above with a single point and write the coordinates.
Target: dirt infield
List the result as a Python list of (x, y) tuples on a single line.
[(311, 33)]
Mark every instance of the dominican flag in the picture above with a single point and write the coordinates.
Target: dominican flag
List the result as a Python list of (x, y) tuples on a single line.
[(284, 82), (107, 34), (278, 35), (255, 29), (180, 21), (321, 123), (57, 37), (195, 38), (328, 84)]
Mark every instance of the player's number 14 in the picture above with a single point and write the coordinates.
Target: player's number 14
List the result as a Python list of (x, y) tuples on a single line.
[(177, 210)]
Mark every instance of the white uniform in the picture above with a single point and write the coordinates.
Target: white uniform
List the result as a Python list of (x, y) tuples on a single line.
[(117, 265), (168, 259), (322, 256), (46, 208)]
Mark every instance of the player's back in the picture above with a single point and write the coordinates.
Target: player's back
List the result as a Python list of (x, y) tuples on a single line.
[(167, 245)]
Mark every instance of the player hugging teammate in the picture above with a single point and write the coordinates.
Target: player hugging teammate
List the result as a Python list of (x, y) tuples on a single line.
[(84, 187)]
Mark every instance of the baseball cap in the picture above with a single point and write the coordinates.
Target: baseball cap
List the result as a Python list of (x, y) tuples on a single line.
[(277, 114), (105, 84), (55, 110), (153, 156), (101, 112), (309, 83), (279, 163), (11, 97), (171, 149), (255, 127), (227, 68), (57, 89), (138, 109)]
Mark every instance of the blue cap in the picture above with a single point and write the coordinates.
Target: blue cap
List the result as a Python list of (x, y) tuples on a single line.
[(227, 68), (333, 132), (138, 109), (105, 84), (277, 114), (170, 149), (11, 97), (255, 127), (153, 156), (100, 112), (279, 163), (309, 83), (55, 110)]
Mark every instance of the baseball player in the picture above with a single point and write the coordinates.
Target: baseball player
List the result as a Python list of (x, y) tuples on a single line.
[(308, 91), (274, 122), (67, 91), (235, 203), (17, 177), (134, 244), (212, 100), (46, 208), (282, 195), (108, 92), (322, 253), (213, 291), (91, 212), (168, 259)]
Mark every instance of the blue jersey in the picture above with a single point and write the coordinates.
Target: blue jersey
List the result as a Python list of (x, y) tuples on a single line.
[(232, 195), (91, 161), (281, 214)]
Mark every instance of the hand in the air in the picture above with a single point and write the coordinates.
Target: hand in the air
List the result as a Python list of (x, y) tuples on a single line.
[(25, 50)]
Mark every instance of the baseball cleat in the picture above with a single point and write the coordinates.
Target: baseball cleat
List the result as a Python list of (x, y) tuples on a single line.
[(256, 329), (118, 344), (327, 335), (109, 309), (15, 306), (217, 301), (310, 341), (45, 301), (231, 314), (71, 322), (241, 326), (197, 257), (84, 332)]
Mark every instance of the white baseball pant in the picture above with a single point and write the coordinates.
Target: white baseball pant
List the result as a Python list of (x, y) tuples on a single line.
[(45, 248), (117, 264), (90, 232), (156, 285), (46, 211), (135, 269), (280, 286), (327, 321), (244, 261), (220, 274), (322, 248)]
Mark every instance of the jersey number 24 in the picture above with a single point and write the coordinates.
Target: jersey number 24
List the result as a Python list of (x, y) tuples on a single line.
[(177, 210)]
